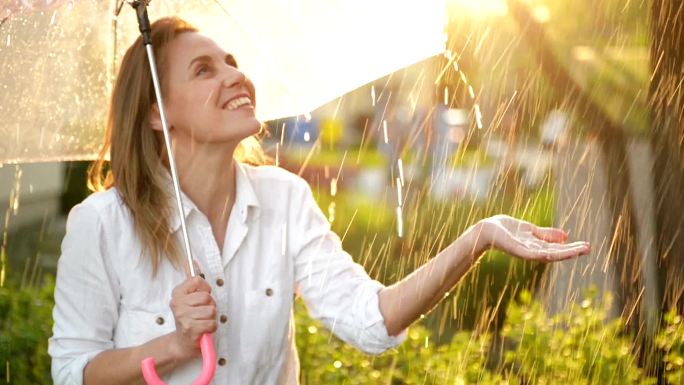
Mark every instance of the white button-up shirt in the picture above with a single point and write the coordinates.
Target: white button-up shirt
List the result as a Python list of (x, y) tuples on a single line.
[(277, 244)]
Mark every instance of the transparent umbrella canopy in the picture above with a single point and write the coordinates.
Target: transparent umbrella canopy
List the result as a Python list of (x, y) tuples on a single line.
[(58, 58)]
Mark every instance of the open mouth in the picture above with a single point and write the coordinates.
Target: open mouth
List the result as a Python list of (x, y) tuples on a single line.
[(236, 103)]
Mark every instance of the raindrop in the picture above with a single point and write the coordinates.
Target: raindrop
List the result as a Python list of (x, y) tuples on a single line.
[(307, 136), (331, 212), (384, 131), (313, 329), (400, 166), (373, 95), (400, 223), (9, 40), (471, 92), (446, 96), (277, 155), (337, 364), (478, 116), (463, 77), (399, 198), (307, 117), (426, 342), (52, 19), (333, 186)]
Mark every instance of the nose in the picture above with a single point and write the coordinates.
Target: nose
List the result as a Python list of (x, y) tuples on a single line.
[(233, 77)]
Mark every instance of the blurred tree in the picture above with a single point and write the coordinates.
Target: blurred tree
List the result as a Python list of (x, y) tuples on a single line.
[(667, 141)]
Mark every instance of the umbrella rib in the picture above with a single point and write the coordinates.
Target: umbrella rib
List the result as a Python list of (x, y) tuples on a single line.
[(222, 7)]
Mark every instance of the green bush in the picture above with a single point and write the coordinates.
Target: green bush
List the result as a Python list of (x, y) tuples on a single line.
[(671, 341), (578, 346), (25, 326)]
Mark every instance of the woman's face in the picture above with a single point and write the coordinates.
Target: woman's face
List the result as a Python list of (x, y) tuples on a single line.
[(208, 100)]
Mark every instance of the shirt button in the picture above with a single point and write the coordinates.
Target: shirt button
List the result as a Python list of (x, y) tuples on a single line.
[(222, 361), (160, 320), (223, 318), (269, 292), (219, 282)]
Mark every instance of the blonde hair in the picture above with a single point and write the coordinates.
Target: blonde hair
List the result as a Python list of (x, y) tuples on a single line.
[(137, 151)]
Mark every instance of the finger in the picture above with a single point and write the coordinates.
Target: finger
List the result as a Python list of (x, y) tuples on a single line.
[(199, 327), (566, 252), (200, 313), (198, 298), (192, 285), (550, 234)]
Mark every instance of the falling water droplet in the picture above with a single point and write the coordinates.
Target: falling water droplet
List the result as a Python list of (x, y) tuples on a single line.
[(384, 131), (307, 117), (282, 134), (471, 92), (52, 19), (478, 116), (337, 364), (400, 166), (426, 342), (307, 136), (9, 40), (373, 95), (463, 77), (277, 155), (400, 223), (331, 212), (3, 262), (399, 197), (446, 96), (333, 186)]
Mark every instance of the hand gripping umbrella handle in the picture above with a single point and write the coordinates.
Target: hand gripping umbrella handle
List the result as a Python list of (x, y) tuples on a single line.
[(208, 364)]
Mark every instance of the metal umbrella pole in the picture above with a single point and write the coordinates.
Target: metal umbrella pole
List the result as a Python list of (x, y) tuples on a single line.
[(206, 342)]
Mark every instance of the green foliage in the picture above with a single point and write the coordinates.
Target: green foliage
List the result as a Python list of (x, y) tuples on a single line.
[(671, 341), (327, 360), (25, 326), (579, 346)]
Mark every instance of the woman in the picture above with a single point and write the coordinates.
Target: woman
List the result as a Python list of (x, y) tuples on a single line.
[(256, 233)]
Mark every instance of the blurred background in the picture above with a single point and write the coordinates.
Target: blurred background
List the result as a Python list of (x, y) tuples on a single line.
[(564, 113)]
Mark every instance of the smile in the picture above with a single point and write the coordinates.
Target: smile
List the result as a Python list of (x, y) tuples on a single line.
[(237, 103)]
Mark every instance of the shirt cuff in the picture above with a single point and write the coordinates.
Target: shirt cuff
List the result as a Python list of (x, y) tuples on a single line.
[(69, 371), (375, 337)]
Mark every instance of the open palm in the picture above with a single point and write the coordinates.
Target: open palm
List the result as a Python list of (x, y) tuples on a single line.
[(527, 241)]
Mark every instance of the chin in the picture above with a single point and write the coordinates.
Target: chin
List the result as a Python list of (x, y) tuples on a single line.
[(246, 129)]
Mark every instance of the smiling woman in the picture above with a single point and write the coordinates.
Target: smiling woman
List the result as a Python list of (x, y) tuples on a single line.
[(260, 239)]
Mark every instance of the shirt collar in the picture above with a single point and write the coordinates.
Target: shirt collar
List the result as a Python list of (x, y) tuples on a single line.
[(246, 202)]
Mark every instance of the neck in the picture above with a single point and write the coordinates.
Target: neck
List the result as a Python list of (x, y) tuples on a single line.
[(208, 179)]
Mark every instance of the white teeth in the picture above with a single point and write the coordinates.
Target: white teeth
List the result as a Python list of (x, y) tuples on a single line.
[(237, 103)]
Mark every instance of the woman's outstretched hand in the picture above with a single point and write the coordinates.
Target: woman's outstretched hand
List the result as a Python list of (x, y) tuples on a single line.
[(525, 240)]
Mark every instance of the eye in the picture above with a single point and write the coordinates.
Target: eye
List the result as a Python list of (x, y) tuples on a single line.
[(202, 69)]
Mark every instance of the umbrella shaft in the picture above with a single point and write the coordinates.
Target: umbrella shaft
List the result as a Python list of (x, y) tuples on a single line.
[(172, 162)]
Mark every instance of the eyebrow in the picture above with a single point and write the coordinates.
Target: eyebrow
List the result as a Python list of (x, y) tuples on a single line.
[(228, 58)]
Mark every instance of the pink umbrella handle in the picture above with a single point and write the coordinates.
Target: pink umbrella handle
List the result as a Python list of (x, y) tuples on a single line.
[(208, 364)]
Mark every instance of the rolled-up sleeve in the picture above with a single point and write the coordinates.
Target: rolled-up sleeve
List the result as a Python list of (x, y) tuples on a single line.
[(337, 291), (86, 298)]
